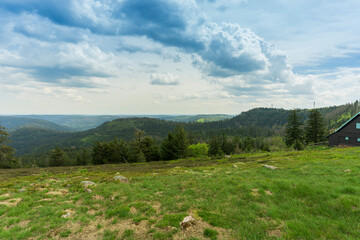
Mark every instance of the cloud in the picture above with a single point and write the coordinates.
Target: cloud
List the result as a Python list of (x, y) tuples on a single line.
[(222, 50), (33, 26), (206, 95), (86, 14), (164, 21), (74, 65), (164, 79), (235, 59)]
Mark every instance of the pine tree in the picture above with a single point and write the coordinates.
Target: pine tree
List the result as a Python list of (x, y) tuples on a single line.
[(181, 142), (97, 153), (314, 129), (82, 158), (175, 145), (215, 147), (57, 157), (294, 133), (168, 148), (7, 158)]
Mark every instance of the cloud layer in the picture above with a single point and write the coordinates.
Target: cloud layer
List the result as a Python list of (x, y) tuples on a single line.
[(93, 46)]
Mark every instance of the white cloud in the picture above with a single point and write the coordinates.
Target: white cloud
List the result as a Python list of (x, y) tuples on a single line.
[(164, 79)]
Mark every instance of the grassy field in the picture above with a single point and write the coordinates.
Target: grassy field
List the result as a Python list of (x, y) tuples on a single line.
[(314, 194)]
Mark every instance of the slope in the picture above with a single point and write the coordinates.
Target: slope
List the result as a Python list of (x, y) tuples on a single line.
[(255, 123), (12, 123)]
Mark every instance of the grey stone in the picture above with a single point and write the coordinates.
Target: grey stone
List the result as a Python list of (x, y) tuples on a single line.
[(270, 167), (22, 190), (121, 178), (187, 222), (87, 183), (67, 215)]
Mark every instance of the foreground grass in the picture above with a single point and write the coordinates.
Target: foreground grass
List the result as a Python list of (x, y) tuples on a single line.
[(310, 196)]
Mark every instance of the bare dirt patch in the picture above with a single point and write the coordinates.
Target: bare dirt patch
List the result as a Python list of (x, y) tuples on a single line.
[(11, 202), (197, 231), (133, 211), (5, 195), (98, 197), (255, 192), (60, 192), (275, 233), (92, 212)]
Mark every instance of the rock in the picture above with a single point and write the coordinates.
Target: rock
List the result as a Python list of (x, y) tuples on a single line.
[(227, 156), (88, 190), (347, 170), (87, 183), (187, 222), (121, 178), (68, 213), (235, 166), (270, 167), (22, 190)]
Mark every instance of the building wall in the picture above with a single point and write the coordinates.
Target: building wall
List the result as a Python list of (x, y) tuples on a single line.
[(350, 131)]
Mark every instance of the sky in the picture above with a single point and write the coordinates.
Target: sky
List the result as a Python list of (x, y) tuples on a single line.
[(177, 56)]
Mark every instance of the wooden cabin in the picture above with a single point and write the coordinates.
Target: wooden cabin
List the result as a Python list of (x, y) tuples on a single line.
[(348, 134)]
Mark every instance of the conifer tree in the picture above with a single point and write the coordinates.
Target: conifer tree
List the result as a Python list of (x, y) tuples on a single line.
[(314, 129), (7, 158), (175, 145), (294, 132), (57, 157), (215, 147), (82, 158)]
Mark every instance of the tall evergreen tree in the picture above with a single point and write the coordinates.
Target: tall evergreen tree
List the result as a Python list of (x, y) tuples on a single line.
[(57, 157), (98, 153), (314, 128), (82, 158), (294, 132), (143, 148), (7, 158), (215, 146), (175, 145), (168, 148), (181, 141)]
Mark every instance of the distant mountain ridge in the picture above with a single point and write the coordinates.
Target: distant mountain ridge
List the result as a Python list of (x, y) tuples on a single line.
[(12, 123), (256, 122), (86, 122)]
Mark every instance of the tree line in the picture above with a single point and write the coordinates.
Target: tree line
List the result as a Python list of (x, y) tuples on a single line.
[(176, 145), (298, 136)]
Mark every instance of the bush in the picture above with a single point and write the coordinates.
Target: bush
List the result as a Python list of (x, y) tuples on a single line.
[(197, 150)]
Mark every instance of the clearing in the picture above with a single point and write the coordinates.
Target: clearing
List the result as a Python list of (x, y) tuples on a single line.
[(312, 194)]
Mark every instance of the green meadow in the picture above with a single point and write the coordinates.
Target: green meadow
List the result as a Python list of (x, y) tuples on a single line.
[(313, 194)]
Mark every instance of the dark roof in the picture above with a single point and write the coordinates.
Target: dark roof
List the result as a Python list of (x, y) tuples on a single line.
[(345, 123)]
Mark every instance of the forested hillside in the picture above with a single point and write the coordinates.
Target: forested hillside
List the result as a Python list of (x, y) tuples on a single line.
[(86, 122), (12, 123), (259, 122)]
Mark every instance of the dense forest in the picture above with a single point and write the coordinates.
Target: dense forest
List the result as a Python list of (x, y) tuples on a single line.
[(260, 128)]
